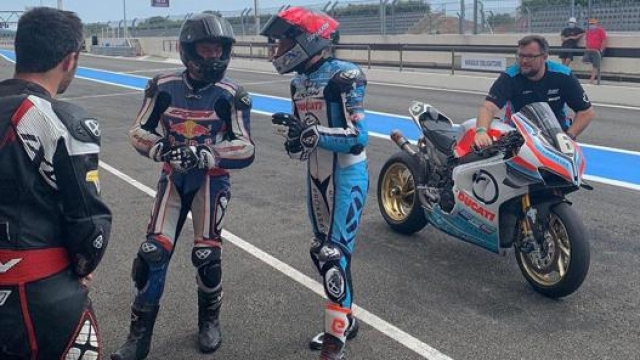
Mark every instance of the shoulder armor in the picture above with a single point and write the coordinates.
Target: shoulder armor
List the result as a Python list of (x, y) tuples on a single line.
[(79, 124), (345, 78), (242, 100), (152, 87)]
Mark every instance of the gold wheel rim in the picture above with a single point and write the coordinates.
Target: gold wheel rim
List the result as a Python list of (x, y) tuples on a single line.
[(397, 193), (549, 268)]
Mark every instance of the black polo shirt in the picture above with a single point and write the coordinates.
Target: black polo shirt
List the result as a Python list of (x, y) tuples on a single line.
[(558, 86)]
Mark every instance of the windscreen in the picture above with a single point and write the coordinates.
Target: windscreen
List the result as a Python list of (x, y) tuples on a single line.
[(541, 115)]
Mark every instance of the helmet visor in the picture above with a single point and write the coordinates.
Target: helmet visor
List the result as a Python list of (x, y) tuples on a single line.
[(278, 28)]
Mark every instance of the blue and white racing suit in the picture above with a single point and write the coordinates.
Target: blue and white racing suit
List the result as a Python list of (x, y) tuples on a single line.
[(331, 95), (217, 116)]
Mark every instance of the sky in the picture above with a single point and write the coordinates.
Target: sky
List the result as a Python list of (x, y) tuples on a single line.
[(109, 10)]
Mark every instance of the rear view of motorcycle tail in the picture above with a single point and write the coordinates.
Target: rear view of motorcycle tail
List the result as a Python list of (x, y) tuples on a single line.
[(511, 195)]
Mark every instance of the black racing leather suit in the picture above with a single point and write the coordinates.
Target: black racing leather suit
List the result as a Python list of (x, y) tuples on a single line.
[(54, 227)]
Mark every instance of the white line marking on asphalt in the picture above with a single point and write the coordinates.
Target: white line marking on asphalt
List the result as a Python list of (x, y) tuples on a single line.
[(266, 82), (618, 183), (153, 70), (622, 151), (374, 321), (109, 83), (115, 72), (98, 96)]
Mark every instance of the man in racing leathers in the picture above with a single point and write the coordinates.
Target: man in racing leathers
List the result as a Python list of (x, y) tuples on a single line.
[(534, 79), (197, 123), (328, 129), (54, 228)]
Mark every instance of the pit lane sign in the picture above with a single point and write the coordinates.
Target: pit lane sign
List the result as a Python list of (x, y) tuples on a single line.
[(160, 3), (483, 63)]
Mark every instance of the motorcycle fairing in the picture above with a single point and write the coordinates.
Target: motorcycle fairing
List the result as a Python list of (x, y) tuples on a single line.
[(462, 224), (481, 187), (538, 153)]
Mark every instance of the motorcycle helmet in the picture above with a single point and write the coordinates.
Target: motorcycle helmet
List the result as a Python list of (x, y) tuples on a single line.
[(200, 28), (310, 31)]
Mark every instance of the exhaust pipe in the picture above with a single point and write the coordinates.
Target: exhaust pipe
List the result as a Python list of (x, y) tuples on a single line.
[(402, 142)]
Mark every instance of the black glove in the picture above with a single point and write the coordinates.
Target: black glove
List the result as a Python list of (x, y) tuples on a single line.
[(300, 137), (287, 125), (293, 146), (182, 158)]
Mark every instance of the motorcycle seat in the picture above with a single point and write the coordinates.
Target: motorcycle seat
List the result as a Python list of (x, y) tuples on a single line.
[(444, 139)]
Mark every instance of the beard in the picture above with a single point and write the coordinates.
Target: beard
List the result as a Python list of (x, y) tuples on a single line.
[(64, 84), (530, 72), (67, 79)]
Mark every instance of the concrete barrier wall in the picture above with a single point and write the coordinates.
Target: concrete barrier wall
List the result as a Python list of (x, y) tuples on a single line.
[(113, 50), (610, 65)]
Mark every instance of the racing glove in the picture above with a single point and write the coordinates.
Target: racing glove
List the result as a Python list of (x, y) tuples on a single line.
[(184, 158), (206, 157), (160, 150), (300, 137)]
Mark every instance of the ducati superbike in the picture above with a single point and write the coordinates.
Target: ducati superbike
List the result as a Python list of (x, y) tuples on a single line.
[(510, 195)]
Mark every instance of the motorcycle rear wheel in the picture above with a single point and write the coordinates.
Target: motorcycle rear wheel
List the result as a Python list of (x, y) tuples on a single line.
[(562, 267), (397, 195)]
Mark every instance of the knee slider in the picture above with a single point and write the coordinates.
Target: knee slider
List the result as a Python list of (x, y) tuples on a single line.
[(150, 254), (333, 275), (207, 260)]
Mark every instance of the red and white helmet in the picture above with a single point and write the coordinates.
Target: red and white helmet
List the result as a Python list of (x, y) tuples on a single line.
[(310, 30)]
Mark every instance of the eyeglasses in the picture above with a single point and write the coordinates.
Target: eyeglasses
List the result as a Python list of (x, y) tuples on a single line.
[(521, 57)]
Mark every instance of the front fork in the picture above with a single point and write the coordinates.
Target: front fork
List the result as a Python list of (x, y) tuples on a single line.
[(528, 243)]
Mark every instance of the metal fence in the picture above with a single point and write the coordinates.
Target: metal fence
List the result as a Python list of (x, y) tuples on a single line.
[(386, 17), (613, 15)]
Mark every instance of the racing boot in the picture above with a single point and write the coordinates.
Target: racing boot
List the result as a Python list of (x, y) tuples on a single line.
[(332, 348), (209, 336), (139, 340), (351, 333)]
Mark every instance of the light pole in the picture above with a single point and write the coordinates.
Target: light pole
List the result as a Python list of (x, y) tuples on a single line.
[(124, 12), (257, 15)]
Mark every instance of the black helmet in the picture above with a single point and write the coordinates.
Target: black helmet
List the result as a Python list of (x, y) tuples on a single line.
[(206, 27), (310, 30)]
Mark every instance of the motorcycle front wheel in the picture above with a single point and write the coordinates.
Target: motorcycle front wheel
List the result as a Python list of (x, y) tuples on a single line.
[(397, 195), (561, 263)]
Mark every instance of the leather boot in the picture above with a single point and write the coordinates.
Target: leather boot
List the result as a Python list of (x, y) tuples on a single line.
[(209, 336), (332, 348), (137, 345), (351, 333)]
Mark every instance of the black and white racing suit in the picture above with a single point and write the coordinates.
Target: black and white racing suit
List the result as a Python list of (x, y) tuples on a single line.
[(213, 115), (54, 227), (331, 96)]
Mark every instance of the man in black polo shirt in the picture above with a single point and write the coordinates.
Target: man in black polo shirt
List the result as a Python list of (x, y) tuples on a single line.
[(570, 37), (534, 79)]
